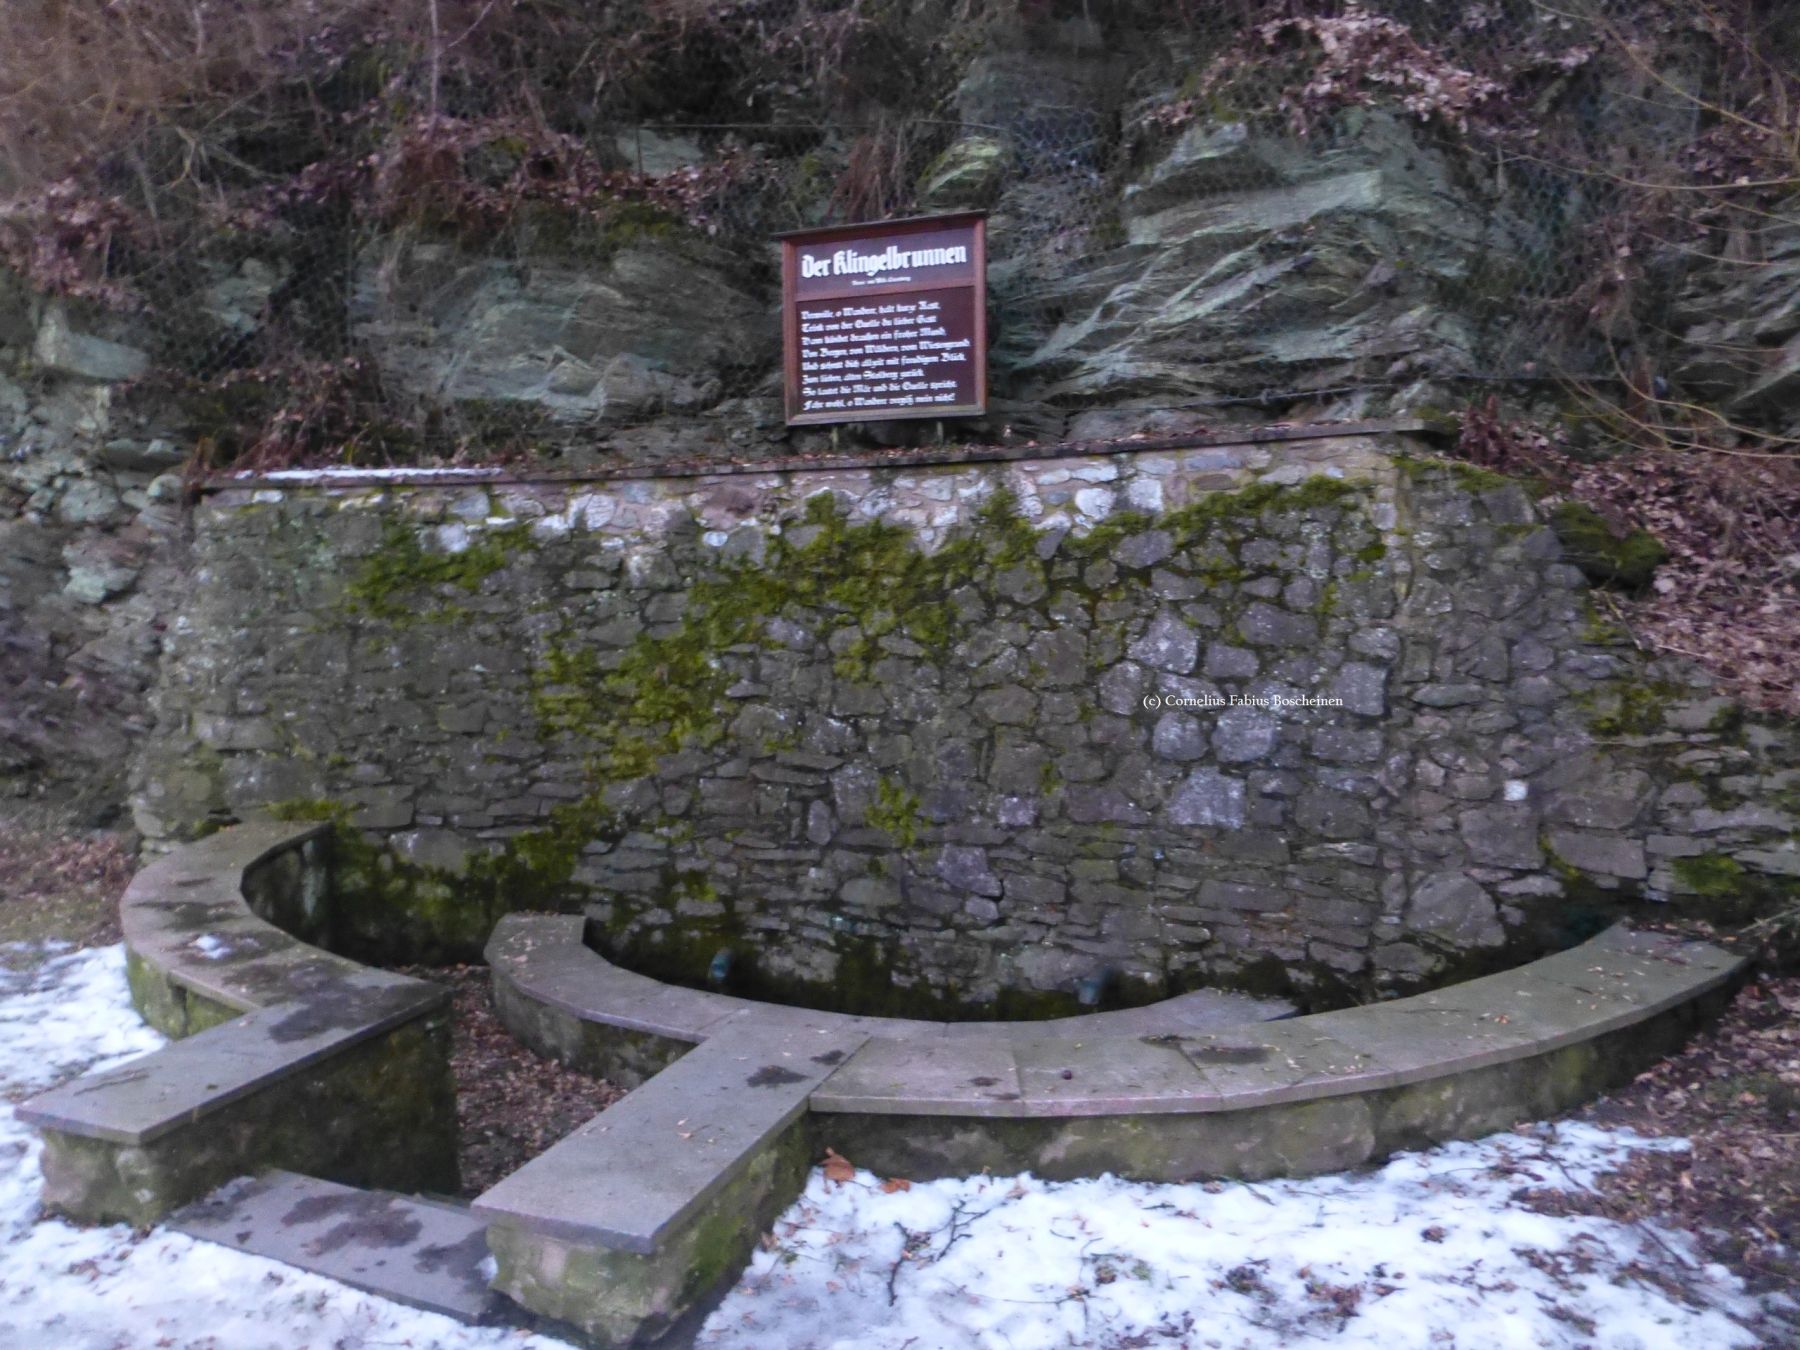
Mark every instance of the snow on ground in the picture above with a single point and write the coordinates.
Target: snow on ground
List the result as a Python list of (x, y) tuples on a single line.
[(1426, 1252), (69, 1288), (1430, 1251)]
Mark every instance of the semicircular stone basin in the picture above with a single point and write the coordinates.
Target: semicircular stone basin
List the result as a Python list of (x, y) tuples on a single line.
[(292, 1057)]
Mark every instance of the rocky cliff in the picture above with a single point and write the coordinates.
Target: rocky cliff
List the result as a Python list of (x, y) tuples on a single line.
[(1196, 218)]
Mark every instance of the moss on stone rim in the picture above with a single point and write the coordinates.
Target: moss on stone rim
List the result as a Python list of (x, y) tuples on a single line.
[(1604, 558)]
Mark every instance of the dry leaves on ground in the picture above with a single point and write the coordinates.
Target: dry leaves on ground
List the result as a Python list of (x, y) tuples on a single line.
[(511, 1104)]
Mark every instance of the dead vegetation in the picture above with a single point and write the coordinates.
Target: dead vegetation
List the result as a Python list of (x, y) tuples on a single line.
[(1728, 594), (63, 886), (1735, 1094), (511, 1104)]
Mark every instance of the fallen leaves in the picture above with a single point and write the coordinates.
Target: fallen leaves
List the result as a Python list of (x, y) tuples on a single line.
[(1726, 595), (511, 1105), (840, 1170), (1735, 1093)]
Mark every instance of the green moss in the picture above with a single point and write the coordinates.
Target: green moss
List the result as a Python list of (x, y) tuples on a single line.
[(1468, 477), (895, 811), (1473, 478), (693, 884), (391, 582), (629, 223), (1105, 537), (1564, 870), (1727, 721), (1606, 560), (1199, 518), (309, 808), (1709, 874), (1602, 632), (1629, 707)]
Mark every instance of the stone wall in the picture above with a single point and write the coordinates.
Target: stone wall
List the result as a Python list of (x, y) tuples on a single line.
[(907, 740), (91, 546)]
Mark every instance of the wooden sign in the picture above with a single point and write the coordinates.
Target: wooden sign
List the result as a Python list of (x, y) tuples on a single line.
[(885, 320)]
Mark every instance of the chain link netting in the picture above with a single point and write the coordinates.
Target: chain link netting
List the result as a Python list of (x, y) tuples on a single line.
[(278, 246)]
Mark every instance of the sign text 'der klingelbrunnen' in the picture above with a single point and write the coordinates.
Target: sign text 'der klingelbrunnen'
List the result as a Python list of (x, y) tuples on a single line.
[(885, 320)]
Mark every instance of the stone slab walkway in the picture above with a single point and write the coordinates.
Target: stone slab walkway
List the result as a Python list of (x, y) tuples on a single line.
[(423, 1253)]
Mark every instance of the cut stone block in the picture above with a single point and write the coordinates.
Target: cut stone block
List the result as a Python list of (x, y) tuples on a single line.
[(189, 1079), (630, 1176), (423, 1253), (1282, 1062), (969, 1077), (1104, 1076)]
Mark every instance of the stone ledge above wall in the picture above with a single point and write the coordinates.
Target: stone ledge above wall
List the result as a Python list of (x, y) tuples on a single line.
[(1073, 487)]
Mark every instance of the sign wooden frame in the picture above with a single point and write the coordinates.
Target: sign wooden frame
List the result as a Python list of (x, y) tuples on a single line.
[(850, 288)]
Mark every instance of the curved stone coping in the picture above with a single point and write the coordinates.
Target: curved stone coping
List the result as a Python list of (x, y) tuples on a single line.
[(1612, 982), (545, 959), (287, 1028), (188, 922), (587, 1234), (1182, 1056)]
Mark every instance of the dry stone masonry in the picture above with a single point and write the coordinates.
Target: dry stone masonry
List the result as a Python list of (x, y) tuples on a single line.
[(1320, 719)]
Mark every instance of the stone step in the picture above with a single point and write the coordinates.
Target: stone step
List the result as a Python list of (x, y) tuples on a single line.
[(426, 1253)]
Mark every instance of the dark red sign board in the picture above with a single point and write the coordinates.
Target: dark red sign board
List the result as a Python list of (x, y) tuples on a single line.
[(885, 320)]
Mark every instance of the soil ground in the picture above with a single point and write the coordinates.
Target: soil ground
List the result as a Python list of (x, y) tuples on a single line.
[(1735, 1094), (60, 884)]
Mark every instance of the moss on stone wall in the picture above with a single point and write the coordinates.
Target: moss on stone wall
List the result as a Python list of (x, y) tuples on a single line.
[(394, 582), (896, 811), (1606, 559), (854, 587), (1711, 874), (1630, 707)]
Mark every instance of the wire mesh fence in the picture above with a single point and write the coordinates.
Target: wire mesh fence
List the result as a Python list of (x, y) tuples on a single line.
[(290, 231)]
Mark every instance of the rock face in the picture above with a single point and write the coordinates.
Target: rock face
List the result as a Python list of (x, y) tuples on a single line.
[(1740, 318), (664, 325), (1253, 262), (933, 754), (90, 548)]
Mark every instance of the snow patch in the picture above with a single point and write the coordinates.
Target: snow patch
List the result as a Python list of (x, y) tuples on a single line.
[(352, 475), (1431, 1250)]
